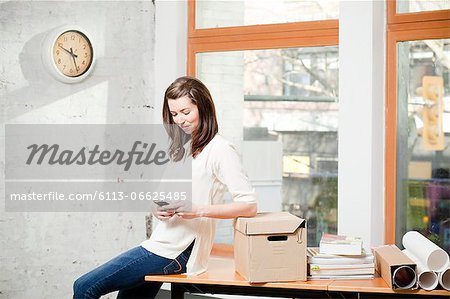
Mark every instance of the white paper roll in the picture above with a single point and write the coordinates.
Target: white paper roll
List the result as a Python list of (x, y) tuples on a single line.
[(427, 279), (426, 251), (444, 278)]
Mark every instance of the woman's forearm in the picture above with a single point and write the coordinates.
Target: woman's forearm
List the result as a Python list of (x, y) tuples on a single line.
[(230, 210)]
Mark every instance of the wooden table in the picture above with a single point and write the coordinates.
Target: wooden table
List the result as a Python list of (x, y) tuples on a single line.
[(222, 279)]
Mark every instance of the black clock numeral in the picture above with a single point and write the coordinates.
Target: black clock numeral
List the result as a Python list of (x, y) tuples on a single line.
[(59, 44), (64, 67), (57, 52), (71, 71), (72, 37), (84, 62), (59, 61), (85, 55), (84, 47)]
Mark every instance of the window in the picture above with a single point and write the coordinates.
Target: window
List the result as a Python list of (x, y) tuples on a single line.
[(409, 6), (418, 134), (215, 13), (276, 94), (416, 12)]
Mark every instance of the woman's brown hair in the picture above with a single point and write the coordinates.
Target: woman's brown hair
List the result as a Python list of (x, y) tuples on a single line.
[(207, 126)]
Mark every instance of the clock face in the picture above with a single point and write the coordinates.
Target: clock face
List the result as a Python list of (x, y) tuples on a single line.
[(72, 53)]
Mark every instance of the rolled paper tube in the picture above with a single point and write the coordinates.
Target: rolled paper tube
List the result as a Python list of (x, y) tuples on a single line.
[(444, 278), (426, 251), (427, 279), (404, 277)]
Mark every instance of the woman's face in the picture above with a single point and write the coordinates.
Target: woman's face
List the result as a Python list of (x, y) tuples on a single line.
[(184, 113)]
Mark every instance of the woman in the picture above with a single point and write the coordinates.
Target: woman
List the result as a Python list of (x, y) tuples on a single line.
[(182, 240)]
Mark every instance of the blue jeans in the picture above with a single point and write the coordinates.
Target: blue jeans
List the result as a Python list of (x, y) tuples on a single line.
[(125, 273)]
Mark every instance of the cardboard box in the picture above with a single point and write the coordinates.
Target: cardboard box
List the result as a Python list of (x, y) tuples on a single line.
[(270, 247), (389, 260)]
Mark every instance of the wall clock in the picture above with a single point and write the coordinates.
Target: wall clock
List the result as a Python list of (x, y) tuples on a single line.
[(68, 54)]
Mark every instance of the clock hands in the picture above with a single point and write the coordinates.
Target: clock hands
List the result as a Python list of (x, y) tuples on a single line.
[(70, 52), (73, 57)]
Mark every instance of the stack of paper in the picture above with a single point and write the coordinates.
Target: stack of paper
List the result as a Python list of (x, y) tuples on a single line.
[(328, 266), (341, 245)]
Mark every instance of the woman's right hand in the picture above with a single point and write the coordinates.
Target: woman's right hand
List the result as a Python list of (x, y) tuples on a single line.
[(162, 214)]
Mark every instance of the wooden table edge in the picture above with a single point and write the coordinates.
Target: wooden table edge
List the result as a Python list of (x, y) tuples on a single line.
[(181, 278), (336, 286)]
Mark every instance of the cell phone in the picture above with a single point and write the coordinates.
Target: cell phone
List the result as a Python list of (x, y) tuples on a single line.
[(161, 203)]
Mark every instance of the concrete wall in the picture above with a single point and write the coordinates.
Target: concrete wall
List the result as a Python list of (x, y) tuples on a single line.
[(42, 253)]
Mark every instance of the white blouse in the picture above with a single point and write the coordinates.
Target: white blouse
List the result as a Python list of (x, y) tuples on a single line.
[(216, 168)]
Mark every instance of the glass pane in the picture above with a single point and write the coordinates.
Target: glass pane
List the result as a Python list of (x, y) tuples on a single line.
[(406, 6), (423, 140), (280, 108), (215, 13)]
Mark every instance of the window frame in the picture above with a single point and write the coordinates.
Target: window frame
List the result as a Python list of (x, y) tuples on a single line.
[(396, 18), (402, 27)]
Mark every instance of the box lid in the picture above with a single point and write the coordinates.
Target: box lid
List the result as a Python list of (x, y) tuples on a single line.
[(269, 223)]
